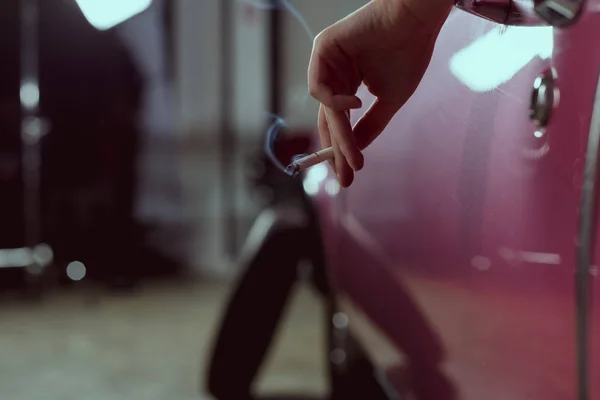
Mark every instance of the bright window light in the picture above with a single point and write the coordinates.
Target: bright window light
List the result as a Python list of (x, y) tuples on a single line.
[(105, 14)]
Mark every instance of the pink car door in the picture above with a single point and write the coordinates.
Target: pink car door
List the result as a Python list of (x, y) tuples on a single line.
[(461, 251)]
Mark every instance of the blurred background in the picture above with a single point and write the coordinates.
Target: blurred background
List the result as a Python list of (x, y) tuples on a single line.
[(131, 173)]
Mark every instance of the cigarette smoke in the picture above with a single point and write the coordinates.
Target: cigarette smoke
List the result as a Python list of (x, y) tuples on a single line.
[(277, 122), (285, 5)]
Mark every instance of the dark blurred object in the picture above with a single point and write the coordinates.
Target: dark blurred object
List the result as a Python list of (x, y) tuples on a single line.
[(90, 94), (282, 236), (90, 97), (254, 312), (12, 233), (17, 264)]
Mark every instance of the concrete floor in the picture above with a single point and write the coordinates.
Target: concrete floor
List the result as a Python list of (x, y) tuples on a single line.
[(148, 346)]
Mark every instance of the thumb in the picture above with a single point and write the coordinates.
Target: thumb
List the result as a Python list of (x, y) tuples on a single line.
[(373, 122)]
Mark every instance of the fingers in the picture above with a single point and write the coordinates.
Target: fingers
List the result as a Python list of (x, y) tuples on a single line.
[(342, 169), (373, 122), (339, 125), (330, 83), (335, 131), (324, 132)]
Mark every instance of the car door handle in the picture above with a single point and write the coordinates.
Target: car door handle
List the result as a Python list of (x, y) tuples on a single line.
[(557, 13)]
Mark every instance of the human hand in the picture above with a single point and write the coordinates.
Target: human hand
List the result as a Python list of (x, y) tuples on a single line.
[(386, 45)]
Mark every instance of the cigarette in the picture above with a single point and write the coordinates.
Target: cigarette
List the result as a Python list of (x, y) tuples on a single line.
[(310, 160)]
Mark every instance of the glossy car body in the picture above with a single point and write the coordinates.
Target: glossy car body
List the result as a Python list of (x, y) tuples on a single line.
[(463, 253)]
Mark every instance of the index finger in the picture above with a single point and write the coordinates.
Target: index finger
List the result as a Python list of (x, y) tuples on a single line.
[(340, 127), (324, 132)]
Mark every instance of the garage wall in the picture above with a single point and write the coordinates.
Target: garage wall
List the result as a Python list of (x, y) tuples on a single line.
[(199, 72), (198, 69), (198, 93), (198, 75)]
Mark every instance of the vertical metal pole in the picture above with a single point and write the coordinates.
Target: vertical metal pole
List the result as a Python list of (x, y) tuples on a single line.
[(275, 48), (31, 125), (227, 142)]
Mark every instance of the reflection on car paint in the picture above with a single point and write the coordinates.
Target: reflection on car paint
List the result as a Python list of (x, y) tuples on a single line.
[(499, 55), (512, 256)]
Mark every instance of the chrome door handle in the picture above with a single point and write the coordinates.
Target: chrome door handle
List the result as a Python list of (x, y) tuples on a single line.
[(557, 13)]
